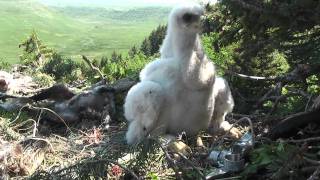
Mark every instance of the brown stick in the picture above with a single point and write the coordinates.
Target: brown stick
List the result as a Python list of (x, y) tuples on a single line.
[(171, 162), (88, 61), (192, 165), (304, 140), (291, 124)]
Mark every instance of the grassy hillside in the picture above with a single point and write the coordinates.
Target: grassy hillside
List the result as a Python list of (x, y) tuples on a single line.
[(74, 30), (113, 3)]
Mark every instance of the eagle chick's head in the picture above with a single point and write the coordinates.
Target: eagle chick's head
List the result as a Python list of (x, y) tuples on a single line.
[(186, 17)]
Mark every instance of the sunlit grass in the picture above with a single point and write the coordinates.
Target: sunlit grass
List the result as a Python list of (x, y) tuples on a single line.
[(92, 35)]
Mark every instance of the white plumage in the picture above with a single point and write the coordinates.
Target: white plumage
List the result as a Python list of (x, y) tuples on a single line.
[(178, 91)]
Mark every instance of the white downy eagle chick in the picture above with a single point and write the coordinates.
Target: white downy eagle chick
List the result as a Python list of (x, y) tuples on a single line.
[(178, 91)]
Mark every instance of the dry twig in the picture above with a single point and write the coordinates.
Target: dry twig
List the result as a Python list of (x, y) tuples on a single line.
[(315, 174), (192, 165), (311, 161), (54, 113), (88, 61), (171, 162), (312, 139)]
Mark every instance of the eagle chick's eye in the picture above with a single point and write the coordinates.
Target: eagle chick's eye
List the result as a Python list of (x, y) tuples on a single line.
[(187, 17), (144, 128)]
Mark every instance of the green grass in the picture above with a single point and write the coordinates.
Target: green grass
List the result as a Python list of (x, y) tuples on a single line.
[(95, 33)]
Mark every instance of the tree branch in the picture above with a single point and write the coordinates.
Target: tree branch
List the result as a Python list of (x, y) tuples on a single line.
[(290, 125), (88, 61)]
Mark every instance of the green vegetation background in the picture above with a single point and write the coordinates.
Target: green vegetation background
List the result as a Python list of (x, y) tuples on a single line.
[(73, 31)]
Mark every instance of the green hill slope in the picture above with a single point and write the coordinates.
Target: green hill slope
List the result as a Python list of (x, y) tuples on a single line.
[(74, 31)]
